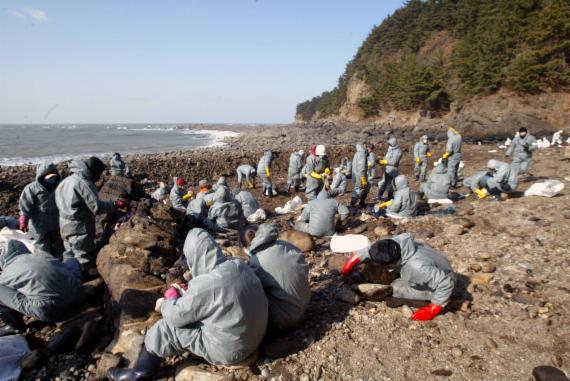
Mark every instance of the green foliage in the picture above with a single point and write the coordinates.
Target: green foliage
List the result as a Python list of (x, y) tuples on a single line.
[(523, 45)]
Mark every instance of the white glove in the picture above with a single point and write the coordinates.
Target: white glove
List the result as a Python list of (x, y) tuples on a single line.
[(158, 304)]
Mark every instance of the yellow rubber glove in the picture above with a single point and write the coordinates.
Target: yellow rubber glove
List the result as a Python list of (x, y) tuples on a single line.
[(446, 155), (418, 160), (386, 204), (364, 181), (188, 196), (481, 193), (428, 154), (267, 172), (316, 175), (383, 162), (327, 171), (250, 184)]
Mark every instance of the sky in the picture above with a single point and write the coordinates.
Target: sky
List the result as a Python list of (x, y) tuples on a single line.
[(175, 61)]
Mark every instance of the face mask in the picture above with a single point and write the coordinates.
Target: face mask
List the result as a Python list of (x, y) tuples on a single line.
[(522, 135), (52, 181)]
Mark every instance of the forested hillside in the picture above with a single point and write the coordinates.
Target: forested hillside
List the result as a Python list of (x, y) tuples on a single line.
[(430, 53)]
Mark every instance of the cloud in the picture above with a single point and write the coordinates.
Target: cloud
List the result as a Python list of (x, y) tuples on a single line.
[(36, 15)]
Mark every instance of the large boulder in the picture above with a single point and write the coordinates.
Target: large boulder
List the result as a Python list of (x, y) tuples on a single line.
[(303, 241), (121, 187)]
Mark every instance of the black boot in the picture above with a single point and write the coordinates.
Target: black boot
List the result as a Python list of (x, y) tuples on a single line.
[(353, 202), (144, 369), (9, 324)]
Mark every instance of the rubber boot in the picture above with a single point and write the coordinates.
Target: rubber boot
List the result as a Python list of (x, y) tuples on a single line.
[(353, 202), (147, 364), (9, 324)]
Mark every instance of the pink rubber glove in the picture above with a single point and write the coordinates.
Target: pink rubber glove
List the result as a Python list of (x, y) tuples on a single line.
[(120, 204), (171, 294), (23, 226)]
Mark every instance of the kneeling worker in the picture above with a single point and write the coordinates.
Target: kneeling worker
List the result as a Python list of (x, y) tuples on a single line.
[(318, 217), (425, 274), (221, 317), (404, 203), (282, 270)]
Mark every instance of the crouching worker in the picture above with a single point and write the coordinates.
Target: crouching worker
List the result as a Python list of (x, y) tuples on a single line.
[(425, 274), (338, 185), (502, 178), (282, 270), (197, 215), (226, 212), (404, 203), (318, 217), (36, 285), (221, 317), (246, 172), (248, 202), (438, 184)]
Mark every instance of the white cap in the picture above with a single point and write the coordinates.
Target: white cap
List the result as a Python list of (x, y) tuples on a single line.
[(301, 152), (321, 151)]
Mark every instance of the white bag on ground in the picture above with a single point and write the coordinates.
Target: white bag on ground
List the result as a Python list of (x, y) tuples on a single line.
[(349, 243), (439, 201), (12, 349), (548, 188), (290, 206), (258, 216), (7, 234)]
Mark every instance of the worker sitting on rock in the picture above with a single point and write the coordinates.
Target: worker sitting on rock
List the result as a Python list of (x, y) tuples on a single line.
[(319, 216), (118, 167), (282, 270), (404, 202), (339, 181), (425, 274), (205, 192), (226, 212), (438, 184), (248, 203), (221, 317), (294, 171), (179, 194), (38, 211), (503, 178), (162, 193), (36, 285), (246, 172)]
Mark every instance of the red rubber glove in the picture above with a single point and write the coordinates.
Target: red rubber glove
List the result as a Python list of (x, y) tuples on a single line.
[(23, 226), (171, 294), (352, 262), (120, 204), (180, 182), (427, 312)]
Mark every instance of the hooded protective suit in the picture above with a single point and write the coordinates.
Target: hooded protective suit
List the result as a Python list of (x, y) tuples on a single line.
[(225, 212), (453, 153), (176, 194), (318, 217), (315, 167), (118, 166), (522, 149), (438, 184), (161, 193), (421, 151), (247, 172), (78, 203), (425, 274), (346, 166), (282, 270), (393, 157), (294, 172), (248, 203), (371, 165), (404, 202), (504, 179), (264, 172), (197, 214), (37, 202), (38, 285), (223, 315), (474, 182), (339, 182), (222, 182), (359, 170)]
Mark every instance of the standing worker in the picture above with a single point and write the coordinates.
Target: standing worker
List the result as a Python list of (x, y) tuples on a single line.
[(38, 210), (294, 172), (421, 155), (318, 169), (522, 148), (391, 161), (360, 177), (264, 171), (453, 154), (370, 163)]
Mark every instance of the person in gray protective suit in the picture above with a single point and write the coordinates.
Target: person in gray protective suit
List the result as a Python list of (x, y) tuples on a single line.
[(177, 194), (118, 166), (391, 161), (221, 317), (504, 178), (282, 270), (360, 177), (425, 274), (78, 202), (318, 217), (318, 170), (474, 182), (339, 182), (36, 285), (38, 211), (404, 202), (453, 154), (438, 184), (249, 204), (225, 212), (294, 171), (522, 148), (421, 155), (264, 172), (246, 172), (371, 163)]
